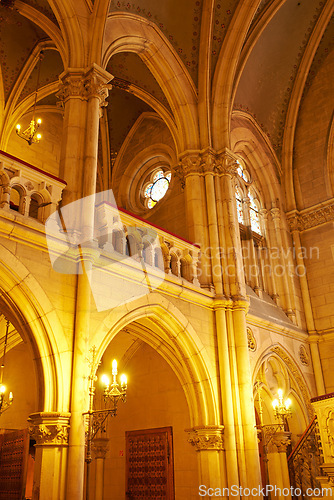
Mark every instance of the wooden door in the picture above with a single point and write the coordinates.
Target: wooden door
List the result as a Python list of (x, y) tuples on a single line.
[(14, 448), (149, 464)]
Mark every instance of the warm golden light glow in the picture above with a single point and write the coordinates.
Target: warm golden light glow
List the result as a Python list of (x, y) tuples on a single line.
[(275, 403), (124, 380), (114, 367), (288, 403), (105, 380), (2, 389)]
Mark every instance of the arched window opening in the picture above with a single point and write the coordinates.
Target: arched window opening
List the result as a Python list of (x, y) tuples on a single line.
[(34, 206), (254, 214), (238, 197), (157, 188), (15, 199)]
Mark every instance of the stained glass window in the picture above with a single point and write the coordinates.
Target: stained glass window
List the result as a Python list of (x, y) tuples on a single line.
[(254, 215), (156, 190), (239, 206), (242, 172)]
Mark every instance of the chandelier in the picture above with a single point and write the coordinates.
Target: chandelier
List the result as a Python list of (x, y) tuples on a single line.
[(4, 403), (31, 134)]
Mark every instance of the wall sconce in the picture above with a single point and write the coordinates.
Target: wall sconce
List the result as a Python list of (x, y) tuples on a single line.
[(112, 395), (4, 404), (282, 409)]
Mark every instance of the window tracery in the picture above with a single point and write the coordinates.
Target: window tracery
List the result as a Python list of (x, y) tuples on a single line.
[(157, 187), (247, 201)]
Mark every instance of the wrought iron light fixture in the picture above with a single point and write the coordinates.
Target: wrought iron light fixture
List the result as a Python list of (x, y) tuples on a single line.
[(31, 134), (112, 395), (4, 403), (282, 409)]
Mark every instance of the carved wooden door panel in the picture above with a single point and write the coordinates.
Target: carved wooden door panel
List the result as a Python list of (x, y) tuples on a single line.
[(14, 447), (149, 464)]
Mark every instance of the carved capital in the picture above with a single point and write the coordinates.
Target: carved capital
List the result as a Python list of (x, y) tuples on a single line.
[(281, 441), (207, 438), (227, 163), (191, 162), (49, 429), (293, 219), (208, 161), (251, 340), (85, 84), (100, 447)]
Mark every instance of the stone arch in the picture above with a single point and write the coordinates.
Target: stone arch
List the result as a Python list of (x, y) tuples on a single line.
[(291, 377), (156, 52), (162, 326), (26, 305)]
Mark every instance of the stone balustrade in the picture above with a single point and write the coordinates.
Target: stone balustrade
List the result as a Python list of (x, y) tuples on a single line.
[(27, 189), (119, 231)]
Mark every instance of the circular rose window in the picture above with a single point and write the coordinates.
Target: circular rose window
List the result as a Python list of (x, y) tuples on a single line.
[(157, 188)]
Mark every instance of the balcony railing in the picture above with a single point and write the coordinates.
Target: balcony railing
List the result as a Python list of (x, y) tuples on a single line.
[(27, 189)]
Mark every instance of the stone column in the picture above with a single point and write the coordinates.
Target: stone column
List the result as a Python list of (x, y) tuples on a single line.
[(197, 221), (82, 93), (209, 443), (50, 431), (100, 448), (278, 464)]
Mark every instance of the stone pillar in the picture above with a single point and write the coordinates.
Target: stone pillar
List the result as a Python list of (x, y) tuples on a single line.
[(278, 464), (50, 431), (82, 92), (99, 448), (209, 443), (197, 221)]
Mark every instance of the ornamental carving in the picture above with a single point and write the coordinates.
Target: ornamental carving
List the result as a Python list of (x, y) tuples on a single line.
[(303, 356), (227, 164), (100, 447), (49, 428), (251, 340), (281, 441), (207, 438), (191, 163), (307, 220), (295, 372), (85, 85)]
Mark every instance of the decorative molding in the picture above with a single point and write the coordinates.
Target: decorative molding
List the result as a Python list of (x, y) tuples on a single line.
[(294, 370), (207, 438), (281, 441), (49, 429), (252, 345), (301, 221), (303, 356), (85, 84), (100, 447)]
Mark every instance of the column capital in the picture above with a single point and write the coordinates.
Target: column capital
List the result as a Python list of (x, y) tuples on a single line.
[(227, 163), (100, 447), (209, 437), (281, 440), (84, 84), (49, 428), (190, 162)]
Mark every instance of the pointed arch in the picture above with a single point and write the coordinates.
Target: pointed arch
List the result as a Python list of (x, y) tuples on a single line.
[(131, 33), (301, 390), (294, 103), (27, 306), (223, 78), (162, 325)]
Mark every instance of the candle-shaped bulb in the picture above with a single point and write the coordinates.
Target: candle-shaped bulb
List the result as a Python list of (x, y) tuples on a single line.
[(124, 381), (18, 127), (114, 367), (2, 389), (105, 380), (275, 403), (39, 121), (288, 403), (11, 397), (39, 137), (280, 393)]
